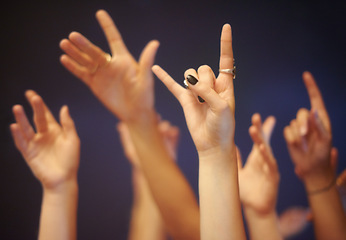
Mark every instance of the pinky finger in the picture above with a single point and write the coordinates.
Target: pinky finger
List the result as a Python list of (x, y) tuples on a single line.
[(18, 137), (77, 70)]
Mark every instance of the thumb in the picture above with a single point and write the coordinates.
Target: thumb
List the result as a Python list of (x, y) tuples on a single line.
[(66, 121), (147, 58)]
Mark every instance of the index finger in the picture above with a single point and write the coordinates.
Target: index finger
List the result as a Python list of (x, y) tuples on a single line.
[(315, 96), (111, 32)]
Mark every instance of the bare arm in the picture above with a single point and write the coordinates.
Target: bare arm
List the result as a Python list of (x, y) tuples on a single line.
[(125, 87), (146, 220), (211, 125), (259, 182), (309, 142), (52, 153)]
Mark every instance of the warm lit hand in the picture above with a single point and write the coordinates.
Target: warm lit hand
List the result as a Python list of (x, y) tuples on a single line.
[(52, 152), (123, 85), (309, 137), (259, 178), (211, 124)]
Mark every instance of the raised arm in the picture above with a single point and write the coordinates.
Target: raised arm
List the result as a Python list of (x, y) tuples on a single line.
[(309, 141), (211, 125), (126, 88), (146, 220), (52, 153), (259, 182)]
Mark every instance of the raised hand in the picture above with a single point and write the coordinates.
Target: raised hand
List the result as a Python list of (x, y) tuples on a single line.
[(208, 105), (258, 182), (309, 137), (211, 124), (309, 141), (122, 84), (259, 178), (52, 152)]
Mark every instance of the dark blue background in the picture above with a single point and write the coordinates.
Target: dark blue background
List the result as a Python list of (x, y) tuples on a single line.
[(273, 42)]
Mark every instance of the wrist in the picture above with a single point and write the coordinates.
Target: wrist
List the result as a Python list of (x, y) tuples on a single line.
[(143, 118), (263, 214), (218, 154), (315, 183), (66, 187)]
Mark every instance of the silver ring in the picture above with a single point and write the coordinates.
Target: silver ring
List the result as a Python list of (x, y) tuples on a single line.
[(229, 70)]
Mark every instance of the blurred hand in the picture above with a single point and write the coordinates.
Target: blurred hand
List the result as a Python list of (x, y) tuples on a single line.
[(123, 85), (52, 152), (309, 139), (259, 178)]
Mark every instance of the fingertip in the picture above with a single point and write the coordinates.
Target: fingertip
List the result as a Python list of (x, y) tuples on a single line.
[(63, 43), (65, 109), (36, 99), (226, 26), (73, 34), (100, 12), (272, 118), (77, 38), (306, 74), (63, 58), (307, 78), (17, 108), (252, 130), (335, 151), (156, 69), (256, 118), (29, 93), (65, 118), (13, 127), (155, 42)]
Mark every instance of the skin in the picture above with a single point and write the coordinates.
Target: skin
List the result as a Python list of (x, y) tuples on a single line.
[(146, 221), (309, 141), (211, 126), (259, 182), (125, 87), (52, 153)]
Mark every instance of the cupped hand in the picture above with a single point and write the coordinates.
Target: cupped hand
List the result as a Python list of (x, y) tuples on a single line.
[(309, 137), (122, 84), (259, 178), (52, 151)]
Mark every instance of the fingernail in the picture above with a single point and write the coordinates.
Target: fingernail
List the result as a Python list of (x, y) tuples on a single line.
[(201, 100), (191, 79)]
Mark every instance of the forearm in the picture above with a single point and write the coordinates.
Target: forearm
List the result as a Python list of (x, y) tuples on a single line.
[(59, 212), (170, 189), (146, 221), (262, 226), (221, 216), (327, 210)]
